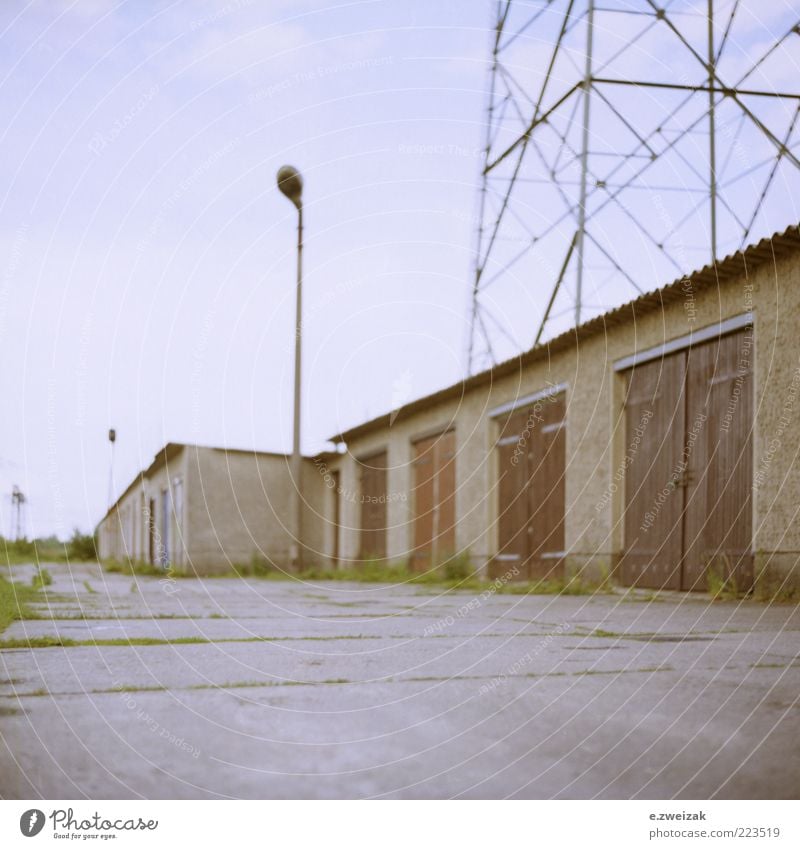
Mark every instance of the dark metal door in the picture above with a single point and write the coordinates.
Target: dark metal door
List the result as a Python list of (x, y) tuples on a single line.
[(531, 495), (166, 517), (151, 532), (655, 411), (433, 498), (373, 506)]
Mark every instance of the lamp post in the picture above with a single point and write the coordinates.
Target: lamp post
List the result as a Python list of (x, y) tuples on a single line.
[(290, 184), (112, 438)]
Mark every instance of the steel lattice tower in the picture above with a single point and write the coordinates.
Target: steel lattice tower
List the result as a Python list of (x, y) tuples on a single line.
[(626, 145)]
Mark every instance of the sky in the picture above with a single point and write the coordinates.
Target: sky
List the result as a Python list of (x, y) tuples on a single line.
[(147, 259)]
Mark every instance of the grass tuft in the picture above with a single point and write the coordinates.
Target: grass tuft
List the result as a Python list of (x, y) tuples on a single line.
[(14, 601), (453, 573), (42, 578), (721, 581), (136, 567)]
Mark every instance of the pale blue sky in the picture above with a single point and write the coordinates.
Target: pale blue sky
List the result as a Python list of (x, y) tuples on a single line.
[(148, 259)]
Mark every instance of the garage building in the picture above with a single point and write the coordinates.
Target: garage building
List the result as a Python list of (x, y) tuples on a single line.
[(653, 443), (203, 510)]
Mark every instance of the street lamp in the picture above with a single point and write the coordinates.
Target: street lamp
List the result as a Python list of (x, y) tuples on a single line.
[(291, 184), (112, 438)]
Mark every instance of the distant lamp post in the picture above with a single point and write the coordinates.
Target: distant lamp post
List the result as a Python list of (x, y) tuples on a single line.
[(290, 184), (112, 438), (18, 501)]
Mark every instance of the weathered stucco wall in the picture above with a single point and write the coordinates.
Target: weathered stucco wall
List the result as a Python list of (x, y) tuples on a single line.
[(776, 295), (239, 508), (227, 507), (596, 440)]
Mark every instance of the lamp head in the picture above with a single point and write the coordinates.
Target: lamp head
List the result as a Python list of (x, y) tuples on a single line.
[(291, 184)]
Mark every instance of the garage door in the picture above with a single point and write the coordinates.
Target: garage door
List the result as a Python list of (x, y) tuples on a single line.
[(688, 482), (433, 499), (335, 486), (531, 457), (373, 506), (655, 415), (719, 514)]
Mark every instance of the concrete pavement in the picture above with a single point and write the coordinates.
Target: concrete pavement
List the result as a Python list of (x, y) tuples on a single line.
[(276, 689)]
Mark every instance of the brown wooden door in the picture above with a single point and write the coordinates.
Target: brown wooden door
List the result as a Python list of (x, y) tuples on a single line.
[(422, 497), (719, 524), (688, 485), (512, 506), (446, 495), (531, 497), (336, 521), (373, 507), (433, 498), (546, 491), (655, 412)]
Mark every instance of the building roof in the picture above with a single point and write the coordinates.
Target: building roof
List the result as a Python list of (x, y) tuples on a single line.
[(744, 261), (172, 449)]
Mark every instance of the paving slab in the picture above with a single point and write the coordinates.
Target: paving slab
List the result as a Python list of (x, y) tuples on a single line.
[(221, 688)]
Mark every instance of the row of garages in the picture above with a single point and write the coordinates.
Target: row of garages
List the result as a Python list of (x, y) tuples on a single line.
[(655, 442), (205, 509)]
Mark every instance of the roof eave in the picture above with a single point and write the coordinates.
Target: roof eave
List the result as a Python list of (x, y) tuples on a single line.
[(733, 265)]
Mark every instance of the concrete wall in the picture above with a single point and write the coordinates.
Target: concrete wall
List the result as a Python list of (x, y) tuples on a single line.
[(596, 442), (239, 508), (776, 295), (235, 506)]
